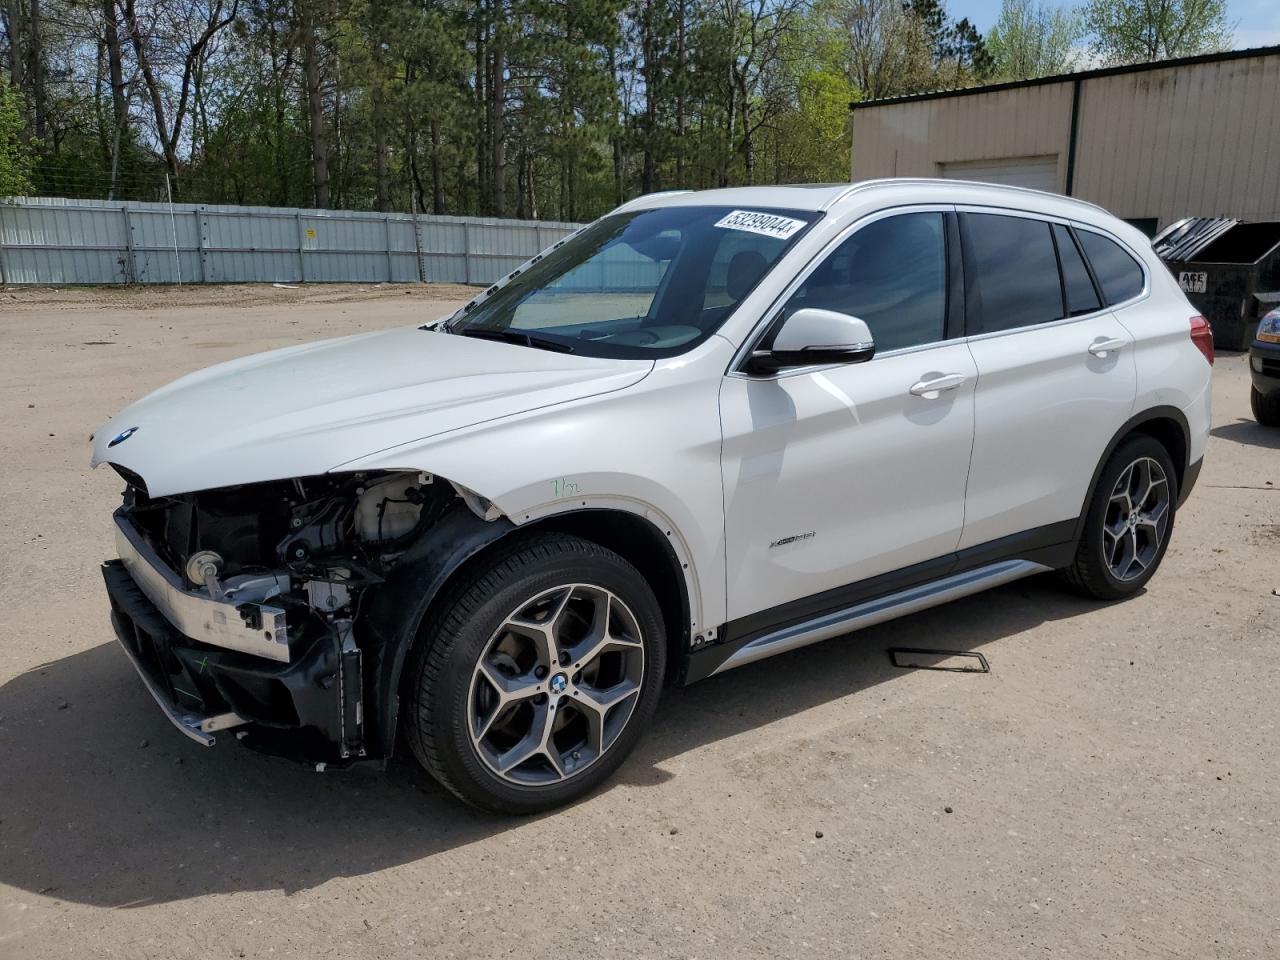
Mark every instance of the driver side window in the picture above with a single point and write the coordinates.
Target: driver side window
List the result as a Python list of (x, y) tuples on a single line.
[(892, 274)]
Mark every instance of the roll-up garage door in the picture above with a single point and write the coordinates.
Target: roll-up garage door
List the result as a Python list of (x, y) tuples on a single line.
[(1039, 173)]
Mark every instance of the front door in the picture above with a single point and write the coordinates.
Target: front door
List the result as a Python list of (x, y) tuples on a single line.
[(836, 474)]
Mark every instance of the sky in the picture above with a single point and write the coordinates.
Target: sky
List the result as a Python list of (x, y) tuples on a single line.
[(1256, 22)]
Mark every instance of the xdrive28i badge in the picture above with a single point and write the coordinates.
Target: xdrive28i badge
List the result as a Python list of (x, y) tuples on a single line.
[(794, 538), (122, 436)]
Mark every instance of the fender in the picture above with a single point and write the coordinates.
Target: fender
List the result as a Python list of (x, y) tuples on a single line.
[(1186, 471), (677, 547)]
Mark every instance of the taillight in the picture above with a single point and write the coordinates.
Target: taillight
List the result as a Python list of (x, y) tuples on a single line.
[(1202, 337)]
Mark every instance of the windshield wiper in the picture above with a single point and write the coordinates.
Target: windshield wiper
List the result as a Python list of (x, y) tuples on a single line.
[(516, 336)]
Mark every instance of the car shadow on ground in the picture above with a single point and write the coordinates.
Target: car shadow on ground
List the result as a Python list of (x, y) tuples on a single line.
[(1248, 432), (102, 802)]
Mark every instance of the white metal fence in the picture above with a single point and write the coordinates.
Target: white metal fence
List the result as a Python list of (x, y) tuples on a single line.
[(46, 240)]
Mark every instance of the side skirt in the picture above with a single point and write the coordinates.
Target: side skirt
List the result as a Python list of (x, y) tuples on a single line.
[(883, 598)]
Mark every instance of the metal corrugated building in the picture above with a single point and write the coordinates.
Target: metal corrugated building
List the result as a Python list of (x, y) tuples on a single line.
[(1152, 143)]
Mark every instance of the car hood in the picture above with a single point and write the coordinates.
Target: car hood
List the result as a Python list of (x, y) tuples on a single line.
[(307, 409)]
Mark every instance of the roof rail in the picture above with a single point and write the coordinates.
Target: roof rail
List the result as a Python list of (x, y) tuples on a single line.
[(645, 196), (938, 181)]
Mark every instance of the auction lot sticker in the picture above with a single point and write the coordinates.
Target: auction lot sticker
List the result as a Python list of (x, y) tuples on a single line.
[(766, 224)]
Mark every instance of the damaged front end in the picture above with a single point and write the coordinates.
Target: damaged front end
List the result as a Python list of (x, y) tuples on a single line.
[(283, 610)]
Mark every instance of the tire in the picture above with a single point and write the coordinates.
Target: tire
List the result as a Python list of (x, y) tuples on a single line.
[(1124, 540), (484, 681), (1266, 409)]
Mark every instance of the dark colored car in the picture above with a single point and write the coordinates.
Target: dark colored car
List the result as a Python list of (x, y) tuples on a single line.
[(1264, 365)]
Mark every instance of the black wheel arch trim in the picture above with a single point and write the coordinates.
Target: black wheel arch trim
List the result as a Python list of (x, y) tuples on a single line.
[(1184, 469), (396, 608), (1189, 481)]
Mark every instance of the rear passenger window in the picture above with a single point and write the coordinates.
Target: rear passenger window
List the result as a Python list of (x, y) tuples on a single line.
[(1011, 273), (892, 274), (1081, 295), (1118, 274)]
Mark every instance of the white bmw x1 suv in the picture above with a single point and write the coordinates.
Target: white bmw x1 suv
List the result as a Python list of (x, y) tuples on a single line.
[(705, 429)]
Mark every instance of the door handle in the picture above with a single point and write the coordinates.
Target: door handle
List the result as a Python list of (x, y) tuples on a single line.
[(930, 389), (1100, 348)]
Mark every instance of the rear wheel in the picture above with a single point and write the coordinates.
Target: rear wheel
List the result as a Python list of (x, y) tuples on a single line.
[(537, 677), (1129, 521), (1266, 409)]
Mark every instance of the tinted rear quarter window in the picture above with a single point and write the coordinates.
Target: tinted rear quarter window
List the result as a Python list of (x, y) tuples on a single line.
[(1118, 273), (1011, 273), (1081, 295)]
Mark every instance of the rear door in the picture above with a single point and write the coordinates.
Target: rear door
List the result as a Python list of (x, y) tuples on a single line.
[(1056, 377)]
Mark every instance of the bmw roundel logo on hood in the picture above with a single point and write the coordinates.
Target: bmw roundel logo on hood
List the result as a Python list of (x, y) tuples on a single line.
[(122, 436)]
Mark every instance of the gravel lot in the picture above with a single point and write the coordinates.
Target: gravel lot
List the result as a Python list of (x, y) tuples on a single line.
[(1112, 784)]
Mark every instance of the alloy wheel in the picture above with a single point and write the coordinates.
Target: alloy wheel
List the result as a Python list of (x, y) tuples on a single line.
[(1137, 519), (555, 685)]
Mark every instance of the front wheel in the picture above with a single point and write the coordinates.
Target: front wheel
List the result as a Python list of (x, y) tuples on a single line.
[(537, 676), (1266, 409), (1128, 523)]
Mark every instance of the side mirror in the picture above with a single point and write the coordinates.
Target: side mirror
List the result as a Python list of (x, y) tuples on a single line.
[(810, 337)]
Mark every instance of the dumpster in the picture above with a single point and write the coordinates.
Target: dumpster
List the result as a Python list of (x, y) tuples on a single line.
[(1229, 269)]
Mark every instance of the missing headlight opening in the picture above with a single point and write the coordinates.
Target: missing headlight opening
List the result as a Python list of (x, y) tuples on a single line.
[(248, 604)]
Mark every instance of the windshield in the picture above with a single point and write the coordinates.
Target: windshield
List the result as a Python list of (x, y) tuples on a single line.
[(645, 284)]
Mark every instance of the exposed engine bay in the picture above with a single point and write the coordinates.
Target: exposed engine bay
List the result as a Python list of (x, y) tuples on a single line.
[(339, 528), (249, 607)]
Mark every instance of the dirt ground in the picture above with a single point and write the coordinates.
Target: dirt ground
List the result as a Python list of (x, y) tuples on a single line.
[(1109, 790)]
